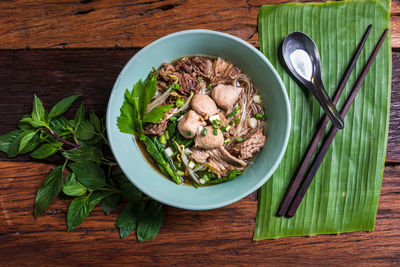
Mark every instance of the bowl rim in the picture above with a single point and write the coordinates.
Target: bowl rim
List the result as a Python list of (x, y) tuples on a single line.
[(109, 121)]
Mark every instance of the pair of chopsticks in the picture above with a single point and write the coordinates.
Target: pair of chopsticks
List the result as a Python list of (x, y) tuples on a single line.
[(298, 187)]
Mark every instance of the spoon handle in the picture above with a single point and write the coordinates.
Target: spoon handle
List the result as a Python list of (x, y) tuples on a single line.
[(327, 105)]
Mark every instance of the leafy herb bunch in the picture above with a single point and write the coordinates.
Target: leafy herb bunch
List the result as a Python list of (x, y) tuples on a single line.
[(92, 177)]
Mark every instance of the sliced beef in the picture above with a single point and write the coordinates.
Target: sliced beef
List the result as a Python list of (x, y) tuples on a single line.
[(226, 96), (218, 159), (254, 141), (156, 128), (204, 105), (196, 66), (224, 72), (188, 84)]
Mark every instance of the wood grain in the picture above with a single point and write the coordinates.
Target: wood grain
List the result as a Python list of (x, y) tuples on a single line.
[(54, 74), (216, 237), (123, 23)]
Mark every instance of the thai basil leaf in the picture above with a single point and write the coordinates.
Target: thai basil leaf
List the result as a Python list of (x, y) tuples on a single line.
[(61, 126), (129, 216), (45, 151), (26, 139), (34, 122), (151, 222), (95, 121), (7, 139), (79, 115), (72, 187), (128, 190), (62, 106), (85, 131), (89, 174), (38, 112), (48, 190), (80, 208), (14, 146), (89, 153), (110, 203)]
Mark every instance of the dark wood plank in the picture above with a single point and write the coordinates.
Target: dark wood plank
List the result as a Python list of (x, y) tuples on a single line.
[(217, 237), (54, 74), (123, 23)]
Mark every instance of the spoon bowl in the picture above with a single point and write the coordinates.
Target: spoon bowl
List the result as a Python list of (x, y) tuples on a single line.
[(302, 58)]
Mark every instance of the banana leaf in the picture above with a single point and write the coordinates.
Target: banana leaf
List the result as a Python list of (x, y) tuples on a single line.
[(344, 195)]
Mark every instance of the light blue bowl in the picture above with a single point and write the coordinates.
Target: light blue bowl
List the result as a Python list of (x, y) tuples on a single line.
[(265, 78)]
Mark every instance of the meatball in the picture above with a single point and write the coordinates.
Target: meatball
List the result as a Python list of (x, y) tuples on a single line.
[(190, 123), (226, 95), (210, 140), (204, 105)]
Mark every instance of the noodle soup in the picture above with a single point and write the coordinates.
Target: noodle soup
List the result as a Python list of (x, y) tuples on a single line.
[(214, 120)]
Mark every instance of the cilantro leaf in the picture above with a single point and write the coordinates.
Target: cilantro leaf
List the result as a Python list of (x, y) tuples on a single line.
[(134, 107), (156, 114)]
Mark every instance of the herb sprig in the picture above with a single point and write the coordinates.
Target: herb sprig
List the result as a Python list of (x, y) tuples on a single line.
[(87, 175)]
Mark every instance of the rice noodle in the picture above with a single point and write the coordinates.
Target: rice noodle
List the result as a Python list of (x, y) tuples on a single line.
[(185, 161)]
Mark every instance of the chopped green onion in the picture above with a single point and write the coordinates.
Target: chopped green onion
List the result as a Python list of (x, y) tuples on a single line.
[(163, 140), (234, 112), (236, 120), (204, 131), (196, 166), (188, 133), (167, 135), (230, 123), (199, 79), (180, 102), (180, 173), (195, 185), (202, 181), (209, 87), (173, 118), (227, 140), (228, 128), (239, 139), (215, 131), (176, 86), (259, 116), (215, 126), (223, 128), (205, 177)]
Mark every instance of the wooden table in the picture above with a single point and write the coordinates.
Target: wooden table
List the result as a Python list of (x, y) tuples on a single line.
[(57, 48)]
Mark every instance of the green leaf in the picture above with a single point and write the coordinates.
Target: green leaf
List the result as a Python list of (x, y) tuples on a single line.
[(95, 121), (89, 174), (61, 126), (110, 203), (344, 194), (14, 146), (7, 139), (156, 114), (45, 151), (79, 115), (34, 122), (144, 92), (48, 190), (72, 187), (85, 131), (80, 208), (38, 112), (26, 139), (151, 222), (62, 106), (128, 190), (129, 121), (89, 153), (129, 216)]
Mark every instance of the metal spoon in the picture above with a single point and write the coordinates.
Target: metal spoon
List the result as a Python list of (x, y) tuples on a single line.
[(302, 58)]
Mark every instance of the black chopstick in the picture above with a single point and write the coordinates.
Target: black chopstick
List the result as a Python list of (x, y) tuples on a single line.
[(295, 183), (332, 133)]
